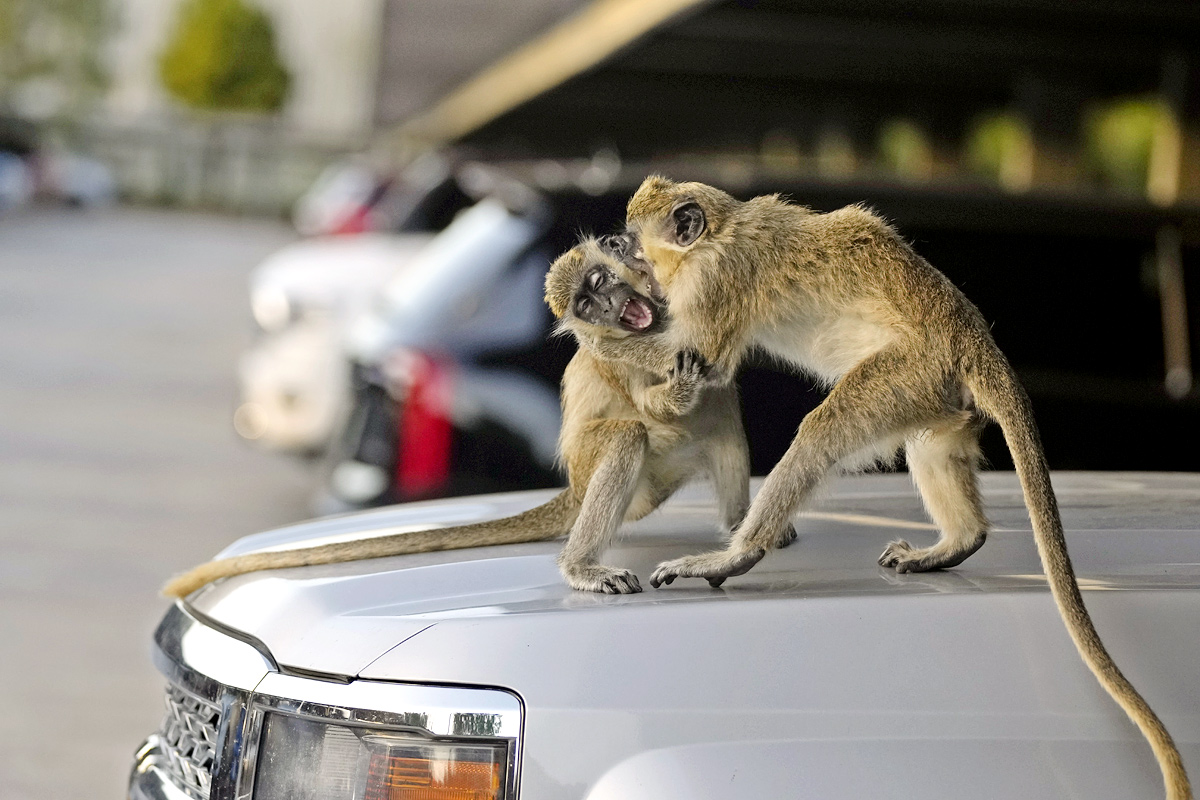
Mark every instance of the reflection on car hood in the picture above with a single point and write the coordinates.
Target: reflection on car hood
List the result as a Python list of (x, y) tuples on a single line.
[(1126, 531)]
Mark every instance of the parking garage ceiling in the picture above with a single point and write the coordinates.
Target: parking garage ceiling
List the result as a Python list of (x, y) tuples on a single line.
[(724, 75)]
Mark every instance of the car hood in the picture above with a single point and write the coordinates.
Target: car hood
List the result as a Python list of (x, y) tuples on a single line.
[(1127, 531)]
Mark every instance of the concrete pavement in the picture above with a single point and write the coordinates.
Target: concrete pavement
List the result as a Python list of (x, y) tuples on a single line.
[(119, 332)]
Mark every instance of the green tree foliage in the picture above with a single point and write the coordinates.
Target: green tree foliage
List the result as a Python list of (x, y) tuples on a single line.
[(222, 57), (51, 49)]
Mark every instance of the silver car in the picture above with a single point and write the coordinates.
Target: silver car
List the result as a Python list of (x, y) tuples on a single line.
[(477, 674)]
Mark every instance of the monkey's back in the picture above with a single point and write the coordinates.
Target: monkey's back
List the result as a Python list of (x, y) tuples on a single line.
[(839, 285)]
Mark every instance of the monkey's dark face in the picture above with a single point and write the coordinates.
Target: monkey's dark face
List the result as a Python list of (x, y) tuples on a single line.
[(606, 300), (597, 289)]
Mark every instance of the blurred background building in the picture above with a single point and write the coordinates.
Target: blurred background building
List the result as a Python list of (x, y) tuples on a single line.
[(1024, 96)]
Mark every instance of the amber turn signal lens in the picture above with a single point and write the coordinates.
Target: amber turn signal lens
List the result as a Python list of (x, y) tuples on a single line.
[(420, 773)]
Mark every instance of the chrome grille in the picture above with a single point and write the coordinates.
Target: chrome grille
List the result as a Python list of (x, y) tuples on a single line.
[(189, 741)]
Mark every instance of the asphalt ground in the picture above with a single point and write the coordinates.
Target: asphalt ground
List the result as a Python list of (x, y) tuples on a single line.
[(119, 334)]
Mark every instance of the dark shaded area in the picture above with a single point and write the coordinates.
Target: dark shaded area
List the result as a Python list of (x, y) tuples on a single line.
[(723, 77)]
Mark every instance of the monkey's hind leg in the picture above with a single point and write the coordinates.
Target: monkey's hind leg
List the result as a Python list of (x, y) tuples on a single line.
[(610, 490), (943, 465)]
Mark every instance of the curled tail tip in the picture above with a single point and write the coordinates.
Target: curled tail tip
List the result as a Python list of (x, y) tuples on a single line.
[(184, 584), (180, 586)]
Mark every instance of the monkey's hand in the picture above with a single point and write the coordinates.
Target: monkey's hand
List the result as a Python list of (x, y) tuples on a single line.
[(600, 578), (678, 394), (685, 378), (714, 567)]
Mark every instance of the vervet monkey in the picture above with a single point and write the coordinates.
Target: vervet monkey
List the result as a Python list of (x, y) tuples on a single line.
[(910, 362), (629, 439)]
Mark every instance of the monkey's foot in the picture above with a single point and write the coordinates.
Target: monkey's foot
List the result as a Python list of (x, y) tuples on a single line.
[(599, 578), (786, 536), (903, 557), (714, 567)]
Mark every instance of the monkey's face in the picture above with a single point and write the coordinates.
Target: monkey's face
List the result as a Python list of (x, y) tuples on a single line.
[(668, 220), (593, 291), (606, 300)]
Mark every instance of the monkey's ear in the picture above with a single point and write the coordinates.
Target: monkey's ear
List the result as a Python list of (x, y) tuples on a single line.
[(688, 219)]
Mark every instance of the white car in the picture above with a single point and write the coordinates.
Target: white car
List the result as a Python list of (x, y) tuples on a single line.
[(295, 380), (478, 674)]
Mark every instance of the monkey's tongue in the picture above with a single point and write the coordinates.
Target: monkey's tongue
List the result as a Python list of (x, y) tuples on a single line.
[(637, 314)]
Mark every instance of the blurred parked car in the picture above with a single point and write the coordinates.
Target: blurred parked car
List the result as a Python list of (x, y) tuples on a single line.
[(355, 197), (16, 181), (428, 418), (379, 349), (76, 179), (18, 144), (478, 674), (295, 379)]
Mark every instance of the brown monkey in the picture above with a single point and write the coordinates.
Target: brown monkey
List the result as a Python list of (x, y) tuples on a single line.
[(629, 440), (910, 362)]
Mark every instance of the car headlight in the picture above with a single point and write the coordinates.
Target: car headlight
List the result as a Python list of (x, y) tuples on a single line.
[(239, 726), (302, 759), (271, 307)]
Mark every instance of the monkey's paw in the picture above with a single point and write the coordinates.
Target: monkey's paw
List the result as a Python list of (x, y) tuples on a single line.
[(689, 365), (787, 536), (714, 567), (599, 578), (903, 557), (898, 555)]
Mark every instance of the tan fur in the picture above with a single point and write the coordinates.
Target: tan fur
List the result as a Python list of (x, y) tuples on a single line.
[(842, 297), (629, 439)]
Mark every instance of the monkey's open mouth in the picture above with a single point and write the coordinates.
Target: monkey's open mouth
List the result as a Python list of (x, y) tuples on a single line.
[(637, 314)]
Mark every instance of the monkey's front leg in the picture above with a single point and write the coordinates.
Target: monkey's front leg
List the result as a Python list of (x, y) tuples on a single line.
[(651, 352), (622, 445), (867, 404)]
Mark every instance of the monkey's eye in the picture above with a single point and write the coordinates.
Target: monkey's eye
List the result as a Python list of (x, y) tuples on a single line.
[(582, 305), (596, 279)]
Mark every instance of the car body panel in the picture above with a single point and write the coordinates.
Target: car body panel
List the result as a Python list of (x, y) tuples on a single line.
[(818, 674)]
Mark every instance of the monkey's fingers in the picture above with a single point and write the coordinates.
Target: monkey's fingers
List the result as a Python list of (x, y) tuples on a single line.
[(894, 552), (624, 582), (691, 364), (601, 578), (903, 557), (787, 537)]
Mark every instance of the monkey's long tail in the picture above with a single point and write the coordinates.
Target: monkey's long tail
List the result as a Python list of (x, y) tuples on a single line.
[(546, 521), (999, 394)]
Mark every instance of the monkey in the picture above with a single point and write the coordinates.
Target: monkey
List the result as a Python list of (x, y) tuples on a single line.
[(629, 439), (909, 362)]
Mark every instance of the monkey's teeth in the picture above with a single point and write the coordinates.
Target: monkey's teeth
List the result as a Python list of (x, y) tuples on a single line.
[(636, 314)]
